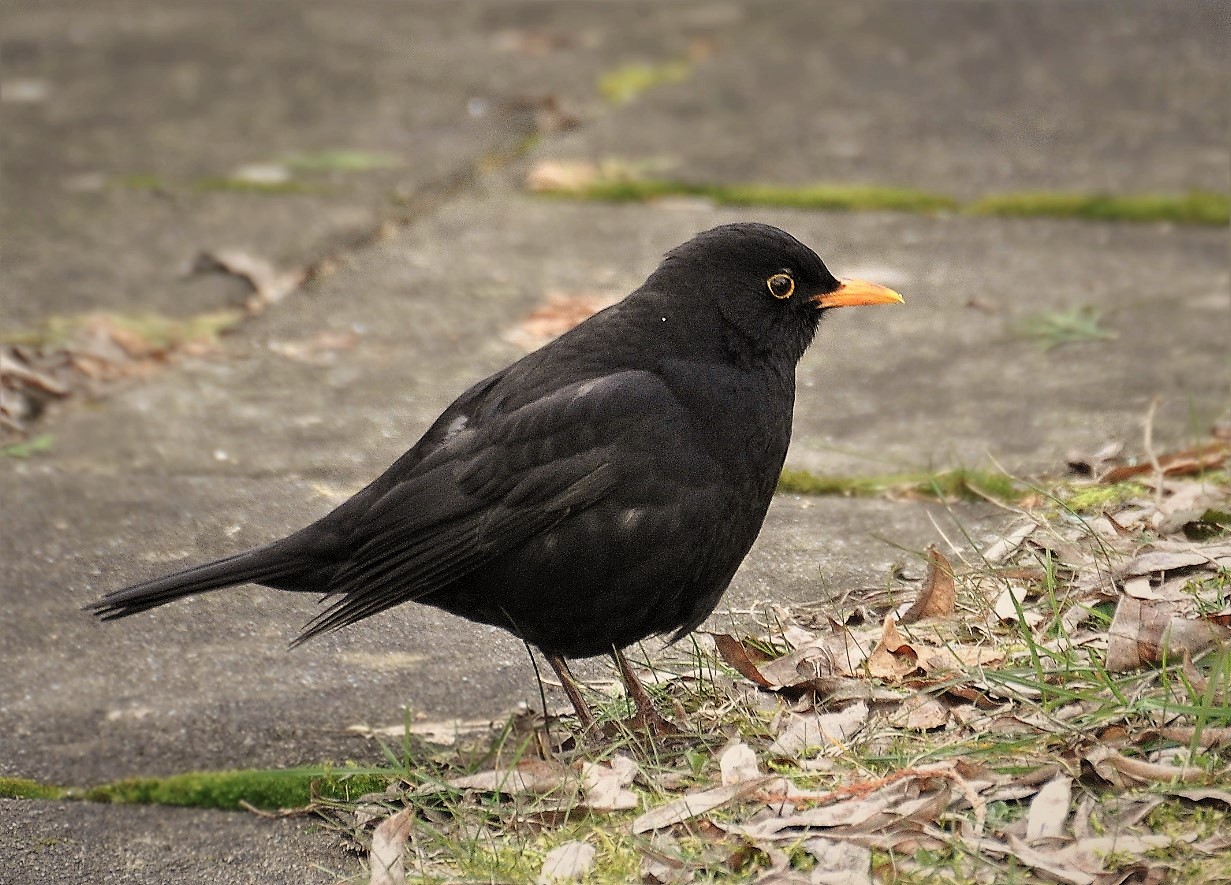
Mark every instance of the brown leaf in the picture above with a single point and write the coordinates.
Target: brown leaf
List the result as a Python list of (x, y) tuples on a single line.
[(559, 313), (269, 285), (938, 597), (388, 843), (693, 804), (893, 659), (735, 654), (1195, 460), (535, 776), (1110, 765), (818, 730), (1145, 633)]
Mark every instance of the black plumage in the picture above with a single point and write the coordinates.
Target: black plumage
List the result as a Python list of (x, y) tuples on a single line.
[(600, 490)]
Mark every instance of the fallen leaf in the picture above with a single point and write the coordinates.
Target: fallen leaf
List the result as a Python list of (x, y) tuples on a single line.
[(693, 804), (1048, 863), (572, 860), (1195, 460), (1145, 633), (1204, 794), (1001, 549), (269, 285), (535, 776), (1049, 810), (1170, 560), (920, 713), (839, 862), (819, 731), (559, 313), (604, 785), (388, 843), (559, 175), (893, 659), (738, 764), (1111, 764), (736, 654), (938, 597)]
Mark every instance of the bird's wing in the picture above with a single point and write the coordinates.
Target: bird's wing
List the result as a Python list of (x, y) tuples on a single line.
[(491, 486)]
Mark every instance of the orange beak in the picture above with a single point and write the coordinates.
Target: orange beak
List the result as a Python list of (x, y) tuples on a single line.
[(852, 293)]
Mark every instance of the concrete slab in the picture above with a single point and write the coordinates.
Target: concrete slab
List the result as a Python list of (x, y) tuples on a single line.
[(962, 98), (77, 842), (122, 123)]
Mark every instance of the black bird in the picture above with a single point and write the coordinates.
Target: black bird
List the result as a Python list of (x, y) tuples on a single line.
[(599, 490)]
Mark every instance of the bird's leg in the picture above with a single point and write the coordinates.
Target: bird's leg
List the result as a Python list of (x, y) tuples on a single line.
[(647, 716), (573, 690)]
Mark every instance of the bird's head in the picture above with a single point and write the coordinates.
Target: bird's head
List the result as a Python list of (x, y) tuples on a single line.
[(768, 286)]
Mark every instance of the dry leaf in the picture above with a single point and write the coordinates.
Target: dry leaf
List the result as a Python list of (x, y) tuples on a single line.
[(1204, 457), (559, 313), (819, 730), (1047, 863), (1145, 633), (738, 764), (572, 860), (839, 862), (1110, 765), (1209, 555), (693, 804), (534, 776), (938, 597), (1049, 810), (736, 655), (604, 785), (1002, 549), (269, 285), (893, 659), (920, 713), (557, 175), (388, 842)]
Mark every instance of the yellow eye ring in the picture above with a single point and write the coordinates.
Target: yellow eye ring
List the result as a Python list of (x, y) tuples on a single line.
[(781, 285)]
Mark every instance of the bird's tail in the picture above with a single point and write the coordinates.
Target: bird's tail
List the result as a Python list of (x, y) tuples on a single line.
[(264, 565)]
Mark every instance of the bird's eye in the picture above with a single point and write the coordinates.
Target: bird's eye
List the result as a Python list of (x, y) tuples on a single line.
[(781, 285)]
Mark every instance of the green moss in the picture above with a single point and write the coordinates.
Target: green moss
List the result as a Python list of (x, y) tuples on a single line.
[(1196, 207), (156, 330), (26, 448), (341, 160), (835, 197), (832, 197), (624, 84), (959, 483), (1061, 327), (287, 788), (139, 181), (22, 788), (1096, 499)]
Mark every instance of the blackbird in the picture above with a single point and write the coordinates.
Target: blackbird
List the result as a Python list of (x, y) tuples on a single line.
[(598, 491)]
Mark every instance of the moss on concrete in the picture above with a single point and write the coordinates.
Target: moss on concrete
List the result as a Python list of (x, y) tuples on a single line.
[(22, 788), (286, 788), (1197, 207), (958, 483)]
